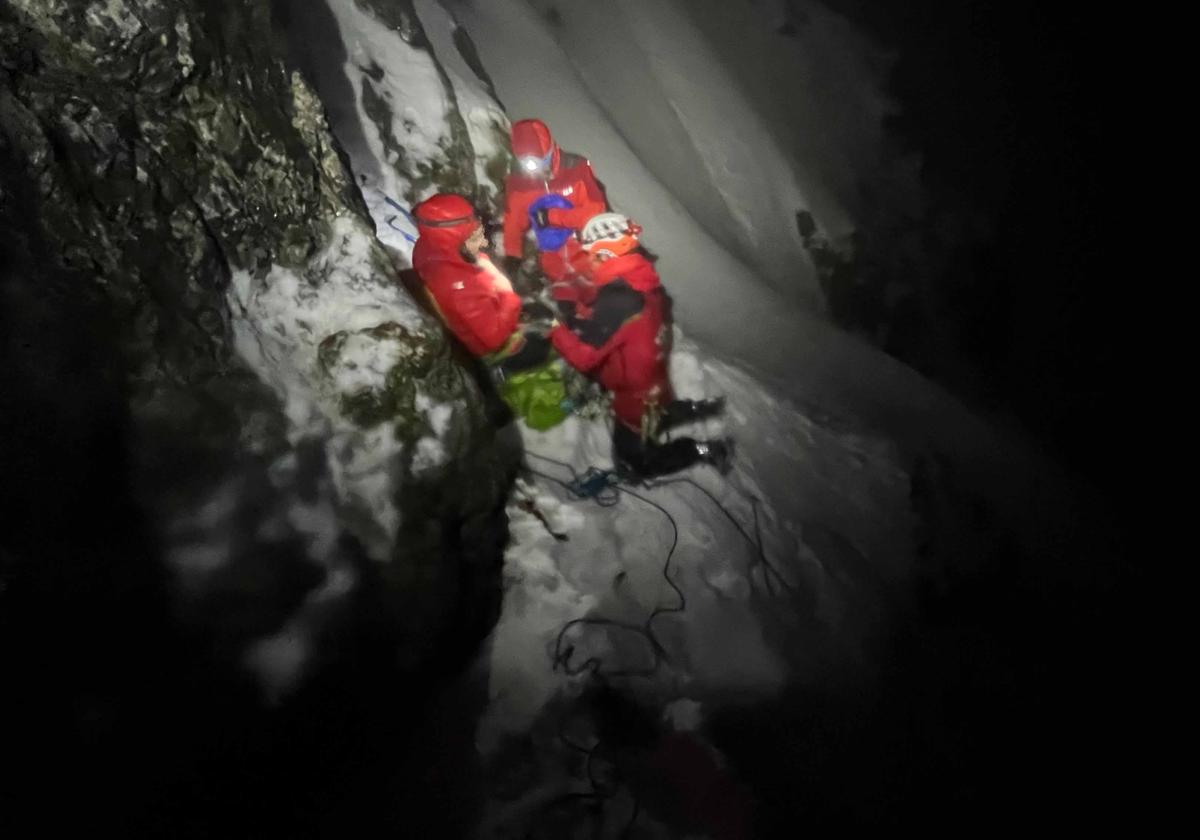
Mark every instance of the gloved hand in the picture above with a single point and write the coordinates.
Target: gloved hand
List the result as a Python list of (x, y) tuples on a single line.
[(537, 311), (510, 266)]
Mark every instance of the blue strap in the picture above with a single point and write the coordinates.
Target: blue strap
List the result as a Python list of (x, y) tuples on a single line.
[(407, 215), (401, 208)]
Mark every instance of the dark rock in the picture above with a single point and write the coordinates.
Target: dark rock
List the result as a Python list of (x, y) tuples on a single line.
[(151, 151)]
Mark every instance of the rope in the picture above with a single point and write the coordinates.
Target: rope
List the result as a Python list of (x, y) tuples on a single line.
[(598, 485), (604, 487), (563, 651), (618, 485), (755, 542), (599, 793)]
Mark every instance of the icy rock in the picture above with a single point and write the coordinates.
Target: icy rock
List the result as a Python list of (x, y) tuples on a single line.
[(190, 192), (376, 372)]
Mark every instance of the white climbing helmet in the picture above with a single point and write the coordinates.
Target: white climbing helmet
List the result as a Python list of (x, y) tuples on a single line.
[(609, 235)]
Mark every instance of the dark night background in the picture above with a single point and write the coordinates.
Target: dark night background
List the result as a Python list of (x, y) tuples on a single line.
[(1007, 698), (1010, 105), (996, 707)]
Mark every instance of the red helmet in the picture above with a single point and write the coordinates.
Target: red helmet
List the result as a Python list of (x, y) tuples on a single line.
[(534, 148), (446, 212)]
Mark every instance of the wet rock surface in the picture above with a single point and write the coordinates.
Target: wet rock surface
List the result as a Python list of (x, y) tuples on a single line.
[(194, 542)]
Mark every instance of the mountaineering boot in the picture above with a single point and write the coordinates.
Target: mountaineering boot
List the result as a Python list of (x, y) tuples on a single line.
[(716, 453), (637, 460), (685, 411)]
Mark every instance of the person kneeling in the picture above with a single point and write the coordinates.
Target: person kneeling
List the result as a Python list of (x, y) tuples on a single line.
[(624, 343)]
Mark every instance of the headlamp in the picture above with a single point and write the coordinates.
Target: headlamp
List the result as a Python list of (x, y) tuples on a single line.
[(534, 164)]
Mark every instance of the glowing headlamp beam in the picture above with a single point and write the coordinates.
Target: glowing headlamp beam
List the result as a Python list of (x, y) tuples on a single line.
[(534, 164)]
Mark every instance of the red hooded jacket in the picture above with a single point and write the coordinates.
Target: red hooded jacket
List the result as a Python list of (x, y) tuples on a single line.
[(465, 295), (570, 176), (625, 343)]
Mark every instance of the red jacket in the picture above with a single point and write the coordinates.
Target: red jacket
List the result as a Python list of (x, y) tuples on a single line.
[(625, 342), (574, 180), (482, 316)]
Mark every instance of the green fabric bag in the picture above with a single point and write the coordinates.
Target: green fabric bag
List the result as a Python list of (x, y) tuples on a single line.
[(538, 395)]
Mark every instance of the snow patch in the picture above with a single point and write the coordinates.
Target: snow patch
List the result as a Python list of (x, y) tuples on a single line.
[(183, 46), (740, 562), (401, 108), (280, 320), (539, 598), (125, 20), (364, 363), (487, 124)]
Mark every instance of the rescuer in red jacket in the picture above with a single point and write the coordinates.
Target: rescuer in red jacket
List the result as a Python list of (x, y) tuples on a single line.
[(624, 343), (543, 168), (473, 298)]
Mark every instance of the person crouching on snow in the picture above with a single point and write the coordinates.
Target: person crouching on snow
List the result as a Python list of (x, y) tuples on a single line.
[(624, 343), (472, 297)]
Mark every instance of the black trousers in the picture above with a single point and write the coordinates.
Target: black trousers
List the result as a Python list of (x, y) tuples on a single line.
[(535, 351), (649, 458)]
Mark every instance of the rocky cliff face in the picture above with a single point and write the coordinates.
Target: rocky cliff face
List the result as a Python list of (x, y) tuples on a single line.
[(173, 194)]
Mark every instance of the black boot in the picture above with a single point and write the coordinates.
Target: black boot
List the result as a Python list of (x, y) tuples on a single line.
[(685, 411), (717, 453), (636, 459)]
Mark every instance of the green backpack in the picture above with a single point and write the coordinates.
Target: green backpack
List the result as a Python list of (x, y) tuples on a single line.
[(538, 395)]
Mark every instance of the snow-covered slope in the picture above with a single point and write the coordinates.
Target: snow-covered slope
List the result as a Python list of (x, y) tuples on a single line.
[(698, 91), (721, 301), (812, 520), (789, 559), (748, 581)]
